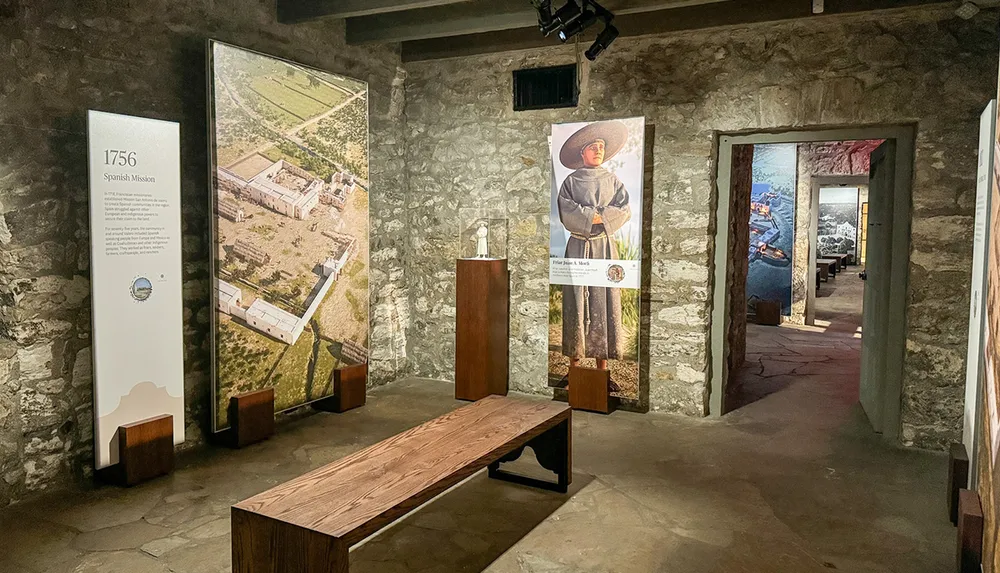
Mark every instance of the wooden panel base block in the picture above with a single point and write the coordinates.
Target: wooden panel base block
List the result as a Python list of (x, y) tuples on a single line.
[(970, 532), (589, 389), (350, 385), (482, 317), (145, 451), (768, 312), (958, 478), (251, 417)]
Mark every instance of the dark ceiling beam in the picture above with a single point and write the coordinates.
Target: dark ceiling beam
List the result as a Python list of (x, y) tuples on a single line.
[(293, 11), (477, 18), (732, 13)]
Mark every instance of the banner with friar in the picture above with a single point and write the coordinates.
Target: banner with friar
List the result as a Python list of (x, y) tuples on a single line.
[(595, 250)]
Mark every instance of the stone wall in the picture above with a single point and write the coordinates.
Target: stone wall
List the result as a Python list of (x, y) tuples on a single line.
[(741, 186), (142, 58), (467, 147), (825, 159)]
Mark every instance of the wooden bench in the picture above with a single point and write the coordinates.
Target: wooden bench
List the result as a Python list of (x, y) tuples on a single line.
[(308, 525), (831, 264), (841, 260)]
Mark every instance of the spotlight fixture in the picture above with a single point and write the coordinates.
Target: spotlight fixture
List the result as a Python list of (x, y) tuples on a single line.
[(563, 16), (544, 8), (604, 39), (578, 24), (573, 18)]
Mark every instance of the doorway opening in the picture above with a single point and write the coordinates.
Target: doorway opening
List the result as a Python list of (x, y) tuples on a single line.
[(782, 218)]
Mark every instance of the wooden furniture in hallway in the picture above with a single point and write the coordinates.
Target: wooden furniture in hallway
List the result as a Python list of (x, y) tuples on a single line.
[(831, 265), (307, 525), (841, 259), (482, 309), (823, 272)]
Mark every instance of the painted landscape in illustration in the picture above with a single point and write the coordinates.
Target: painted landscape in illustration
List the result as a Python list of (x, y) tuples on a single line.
[(290, 170)]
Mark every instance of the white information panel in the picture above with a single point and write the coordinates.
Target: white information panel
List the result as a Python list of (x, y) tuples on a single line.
[(135, 250), (977, 302)]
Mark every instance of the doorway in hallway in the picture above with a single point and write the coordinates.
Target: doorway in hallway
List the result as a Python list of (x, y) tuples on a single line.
[(819, 330)]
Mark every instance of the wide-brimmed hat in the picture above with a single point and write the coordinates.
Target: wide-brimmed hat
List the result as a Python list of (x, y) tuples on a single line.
[(614, 134)]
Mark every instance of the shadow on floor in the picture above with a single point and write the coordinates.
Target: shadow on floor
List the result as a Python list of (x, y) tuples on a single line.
[(467, 529)]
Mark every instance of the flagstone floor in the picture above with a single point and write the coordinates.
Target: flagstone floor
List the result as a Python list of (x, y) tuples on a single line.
[(793, 482)]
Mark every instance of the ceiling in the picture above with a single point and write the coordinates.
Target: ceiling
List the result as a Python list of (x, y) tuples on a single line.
[(434, 29)]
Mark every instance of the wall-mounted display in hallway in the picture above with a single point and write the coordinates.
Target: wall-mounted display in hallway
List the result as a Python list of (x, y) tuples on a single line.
[(837, 231), (595, 250), (989, 430), (290, 227), (772, 225), (136, 275)]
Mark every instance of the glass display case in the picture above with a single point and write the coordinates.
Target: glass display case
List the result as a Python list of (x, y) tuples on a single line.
[(482, 233)]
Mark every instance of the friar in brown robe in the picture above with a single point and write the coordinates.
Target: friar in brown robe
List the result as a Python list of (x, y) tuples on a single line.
[(593, 206)]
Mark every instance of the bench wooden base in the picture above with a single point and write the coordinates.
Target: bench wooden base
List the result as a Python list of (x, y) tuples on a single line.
[(553, 450), (145, 451)]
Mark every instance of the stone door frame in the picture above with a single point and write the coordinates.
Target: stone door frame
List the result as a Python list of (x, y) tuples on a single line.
[(895, 343)]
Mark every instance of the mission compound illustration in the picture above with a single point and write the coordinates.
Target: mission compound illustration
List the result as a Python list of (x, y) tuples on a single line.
[(291, 227)]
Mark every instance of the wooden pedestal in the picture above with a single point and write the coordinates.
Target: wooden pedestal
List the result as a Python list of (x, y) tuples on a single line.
[(145, 451), (970, 532), (349, 389), (958, 478), (769, 312), (251, 417), (589, 389), (482, 315)]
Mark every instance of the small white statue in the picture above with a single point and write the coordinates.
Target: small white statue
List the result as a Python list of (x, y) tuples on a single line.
[(482, 248)]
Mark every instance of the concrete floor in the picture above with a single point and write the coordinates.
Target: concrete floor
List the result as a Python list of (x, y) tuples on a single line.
[(794, 481)]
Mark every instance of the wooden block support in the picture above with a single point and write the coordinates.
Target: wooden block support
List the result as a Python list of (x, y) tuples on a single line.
[(589, 389), (970, 532), (251, 417), (958, 478), (350, 385), (824, 272), (769, 312), (482, 316), (145, 451)]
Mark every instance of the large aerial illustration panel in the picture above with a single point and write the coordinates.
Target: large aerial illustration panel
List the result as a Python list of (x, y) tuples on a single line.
[(290, 227)]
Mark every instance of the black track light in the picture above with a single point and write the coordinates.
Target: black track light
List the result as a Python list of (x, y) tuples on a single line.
[(571, 11), (544, 8), (608, 35), (579, 24)]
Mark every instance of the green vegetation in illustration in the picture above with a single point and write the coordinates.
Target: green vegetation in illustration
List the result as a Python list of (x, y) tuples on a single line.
[(291, 226)]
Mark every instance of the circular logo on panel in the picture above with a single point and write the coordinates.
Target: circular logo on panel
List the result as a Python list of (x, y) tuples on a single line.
[(141, 289), (616, 273)]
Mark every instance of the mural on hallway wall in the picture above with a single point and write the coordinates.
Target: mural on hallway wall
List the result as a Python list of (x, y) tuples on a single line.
[(290, 227), (837, 230), (772, 225), (595, 250)]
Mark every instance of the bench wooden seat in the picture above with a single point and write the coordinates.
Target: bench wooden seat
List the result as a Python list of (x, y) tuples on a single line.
[(307, 525)]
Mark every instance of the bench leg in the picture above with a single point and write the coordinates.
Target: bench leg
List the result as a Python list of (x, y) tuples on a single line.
[(264, 545), (554, 451)]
